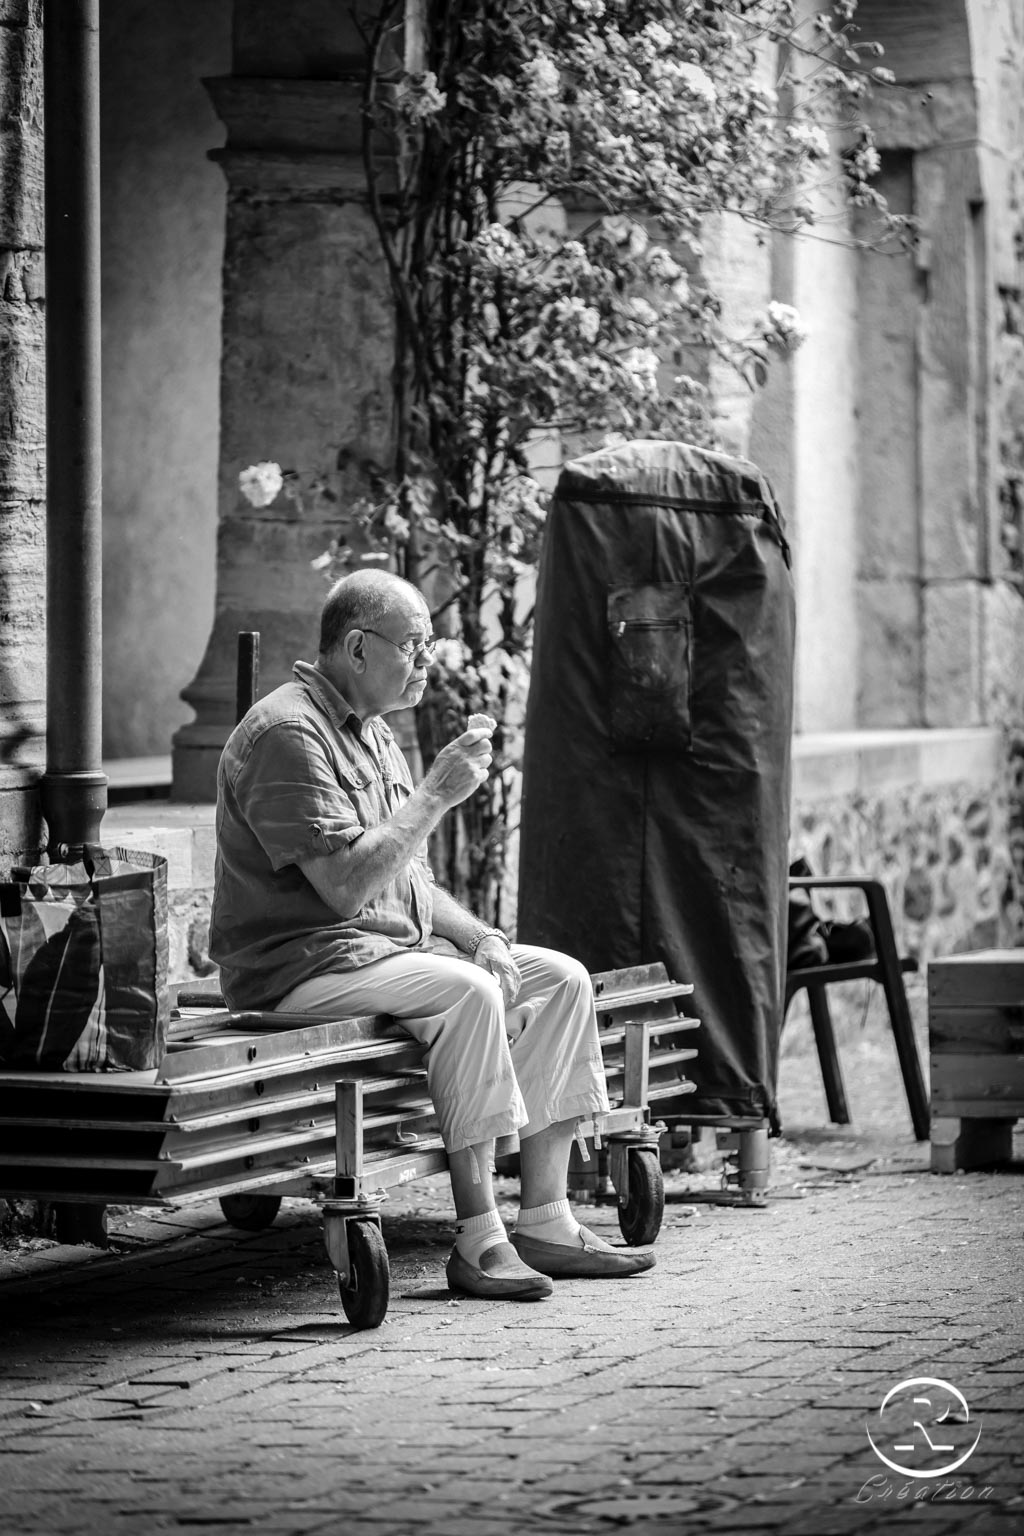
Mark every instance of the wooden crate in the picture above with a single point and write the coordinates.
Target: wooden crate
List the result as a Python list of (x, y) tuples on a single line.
[(976, 1041)]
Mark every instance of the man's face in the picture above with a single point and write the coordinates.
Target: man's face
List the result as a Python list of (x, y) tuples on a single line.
[(396, 664)]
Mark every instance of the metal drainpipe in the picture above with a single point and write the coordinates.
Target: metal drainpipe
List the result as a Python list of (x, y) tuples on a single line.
[(74, 787)]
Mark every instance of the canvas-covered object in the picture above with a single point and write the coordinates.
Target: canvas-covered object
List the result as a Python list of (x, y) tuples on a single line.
[(656, 792), (83, 963)]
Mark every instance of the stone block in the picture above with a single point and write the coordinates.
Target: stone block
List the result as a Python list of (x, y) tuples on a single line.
[(173, 843), (21, 828), (952, 503), (922, 40), (886, 371), (204, 854), (290, 115), (321, 40), (22, 390), (966, 1144), (306, 348), (188, 937), (1003, 652), (195, 765), (953, 653), (891, 662), (21, 129)]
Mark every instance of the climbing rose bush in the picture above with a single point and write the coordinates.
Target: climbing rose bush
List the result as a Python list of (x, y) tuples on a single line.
[(543, 178)]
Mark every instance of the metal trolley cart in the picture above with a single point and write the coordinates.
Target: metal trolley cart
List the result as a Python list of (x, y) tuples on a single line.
[(250, 1107)]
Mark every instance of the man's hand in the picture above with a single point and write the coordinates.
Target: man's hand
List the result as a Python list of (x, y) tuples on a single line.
[(493, 954), (460, 767)]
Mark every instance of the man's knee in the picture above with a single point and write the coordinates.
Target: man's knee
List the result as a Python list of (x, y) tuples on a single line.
[(473, 997), (576, 971), (481, 987), (568, 971)]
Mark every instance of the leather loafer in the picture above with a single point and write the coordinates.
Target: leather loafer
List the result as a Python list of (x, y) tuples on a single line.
[(592, 1260), (500, 1276)]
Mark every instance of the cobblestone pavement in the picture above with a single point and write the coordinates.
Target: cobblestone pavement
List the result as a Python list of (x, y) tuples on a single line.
[(196, 1378)]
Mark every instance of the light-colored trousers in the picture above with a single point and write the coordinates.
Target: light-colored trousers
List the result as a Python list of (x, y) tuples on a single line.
[(491, 1071)]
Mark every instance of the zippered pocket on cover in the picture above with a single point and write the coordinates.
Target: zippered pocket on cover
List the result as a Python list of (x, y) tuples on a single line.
[(649, 632)]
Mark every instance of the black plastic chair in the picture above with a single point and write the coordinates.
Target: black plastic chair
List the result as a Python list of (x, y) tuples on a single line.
[(887, 967)]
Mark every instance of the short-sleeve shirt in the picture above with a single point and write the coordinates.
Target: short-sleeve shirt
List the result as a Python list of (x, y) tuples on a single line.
[(299, 777)]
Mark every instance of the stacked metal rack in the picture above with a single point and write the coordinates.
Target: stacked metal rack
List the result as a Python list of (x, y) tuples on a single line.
[(250, 1107)]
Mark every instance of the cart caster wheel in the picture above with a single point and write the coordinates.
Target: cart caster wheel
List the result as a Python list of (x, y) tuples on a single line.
[(640, 1217), (250, 1212), (73, 1223), (365, 1296)]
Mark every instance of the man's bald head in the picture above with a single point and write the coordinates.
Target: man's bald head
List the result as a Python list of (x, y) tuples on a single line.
[(364, 600)]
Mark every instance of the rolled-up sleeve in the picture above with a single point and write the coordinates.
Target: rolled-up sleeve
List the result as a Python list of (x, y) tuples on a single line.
[(292, 798)]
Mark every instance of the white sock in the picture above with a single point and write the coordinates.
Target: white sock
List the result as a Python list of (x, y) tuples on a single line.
[(475, 1234), (552, 1223)]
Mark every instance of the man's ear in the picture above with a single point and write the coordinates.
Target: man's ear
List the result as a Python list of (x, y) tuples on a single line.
[(354, 649)]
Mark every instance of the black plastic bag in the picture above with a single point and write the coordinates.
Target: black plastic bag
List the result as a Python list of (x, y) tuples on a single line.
[(83, 964)]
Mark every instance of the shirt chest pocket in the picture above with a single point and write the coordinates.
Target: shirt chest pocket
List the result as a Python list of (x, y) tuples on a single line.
[(365, 791)]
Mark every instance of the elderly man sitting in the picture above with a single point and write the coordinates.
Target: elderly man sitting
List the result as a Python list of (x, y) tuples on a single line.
[(324, 903)]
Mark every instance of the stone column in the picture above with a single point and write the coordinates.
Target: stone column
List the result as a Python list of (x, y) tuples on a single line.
[(23, 429), (307, 353)]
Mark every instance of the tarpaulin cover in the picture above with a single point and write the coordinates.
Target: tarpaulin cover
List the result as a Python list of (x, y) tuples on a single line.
[(656, 792)]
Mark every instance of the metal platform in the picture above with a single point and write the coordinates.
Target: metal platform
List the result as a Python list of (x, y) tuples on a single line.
[(248, 1107)]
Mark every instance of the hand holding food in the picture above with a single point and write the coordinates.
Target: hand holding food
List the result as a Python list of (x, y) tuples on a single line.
[(461, 766)]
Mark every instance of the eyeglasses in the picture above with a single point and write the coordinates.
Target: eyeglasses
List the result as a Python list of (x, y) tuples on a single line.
[(408, 648)]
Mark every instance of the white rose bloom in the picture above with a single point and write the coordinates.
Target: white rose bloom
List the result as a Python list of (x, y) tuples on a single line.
[(785, 321), (642, 364), (590, 324), (420, 98), (809, 137), (450, 654), (644, 313), (543, 75), (661, 265), (659, 37), (260, 483), (698, 81), (499, 246), (616, 226), (491, 321)]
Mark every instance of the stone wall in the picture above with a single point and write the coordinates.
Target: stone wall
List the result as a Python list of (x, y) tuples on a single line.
[(935, 815), (942, 853)]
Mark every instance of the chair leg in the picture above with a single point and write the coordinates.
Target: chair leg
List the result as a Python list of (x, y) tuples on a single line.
[(828, 1056), (899, 1009)]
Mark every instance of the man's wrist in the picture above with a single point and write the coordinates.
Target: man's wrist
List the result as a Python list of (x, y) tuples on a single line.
[(487, 933)]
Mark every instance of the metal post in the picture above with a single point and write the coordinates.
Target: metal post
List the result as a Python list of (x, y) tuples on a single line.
[(247, 683), (74, 787)]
